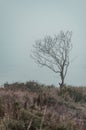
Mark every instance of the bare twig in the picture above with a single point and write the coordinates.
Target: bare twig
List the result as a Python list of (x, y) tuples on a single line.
[(42, 121), (29, 125)]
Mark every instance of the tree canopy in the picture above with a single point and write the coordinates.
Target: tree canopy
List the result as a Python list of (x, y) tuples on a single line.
[(53, 52)]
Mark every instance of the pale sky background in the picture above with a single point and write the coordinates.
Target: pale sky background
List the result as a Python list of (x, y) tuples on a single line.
[(22, 22)]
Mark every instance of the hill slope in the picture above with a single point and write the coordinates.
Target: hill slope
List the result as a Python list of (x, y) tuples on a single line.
[(31, 106)]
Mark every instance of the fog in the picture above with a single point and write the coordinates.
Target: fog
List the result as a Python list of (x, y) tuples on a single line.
[(22, 22)]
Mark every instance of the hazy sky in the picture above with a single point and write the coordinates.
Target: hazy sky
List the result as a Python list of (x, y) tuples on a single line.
[(22, 22)]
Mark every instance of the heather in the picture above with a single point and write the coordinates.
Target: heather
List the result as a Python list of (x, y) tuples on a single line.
[(34, 106)]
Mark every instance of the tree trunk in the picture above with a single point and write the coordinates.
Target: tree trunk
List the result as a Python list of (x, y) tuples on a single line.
[(62, 80)]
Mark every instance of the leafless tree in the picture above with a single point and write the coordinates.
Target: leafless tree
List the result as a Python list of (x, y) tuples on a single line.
[(53, 52)]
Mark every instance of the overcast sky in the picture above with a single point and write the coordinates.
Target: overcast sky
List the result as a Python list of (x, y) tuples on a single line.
[(22, 22)]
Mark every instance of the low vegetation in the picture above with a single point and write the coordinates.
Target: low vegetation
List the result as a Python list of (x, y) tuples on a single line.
[(34, 106)]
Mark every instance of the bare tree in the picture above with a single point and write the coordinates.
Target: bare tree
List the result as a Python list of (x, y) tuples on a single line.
[(53, 52)]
